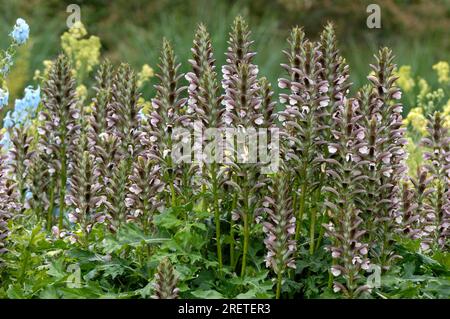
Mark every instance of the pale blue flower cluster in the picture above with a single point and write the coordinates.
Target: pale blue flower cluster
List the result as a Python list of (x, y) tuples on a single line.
[(24, 110), (21, 31), (4, 95)]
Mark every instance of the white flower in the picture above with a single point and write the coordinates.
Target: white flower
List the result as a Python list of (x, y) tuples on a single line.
[(332, 149), (189, 76), (135, 189), (364, 150), (424, 246), (335, 254), (336, 288), (365, 265), (154, 121), (349, 157), (323, 88), (291, 230), (259, 121), (388, 172), (129, 202), (55, 231), (397, 95), (356, 260), (363, 251), (305, 109), (360, 136), (387, 159), (335, 271), (323, 103), (282, 83), (72, 218)]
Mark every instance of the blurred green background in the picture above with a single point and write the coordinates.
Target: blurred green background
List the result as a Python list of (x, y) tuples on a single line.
[(132, 30)]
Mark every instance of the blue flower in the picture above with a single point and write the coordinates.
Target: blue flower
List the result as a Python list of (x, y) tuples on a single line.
[(6, 141), (28, 195), (7, 120), (32, 97), (4, 95), (20, 112), (21, 31), (6, 64)]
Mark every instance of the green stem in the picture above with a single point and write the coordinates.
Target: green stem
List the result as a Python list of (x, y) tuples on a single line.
[(217, 218), (245, 248), (312, 231), (322, 231), (301, 209), (247, 219), (173, 197), (279, 281), (62, 190), (232, 240), (312, 226), (51, 205)]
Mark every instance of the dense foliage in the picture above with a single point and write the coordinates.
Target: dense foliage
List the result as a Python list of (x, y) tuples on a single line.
[(93, 203)]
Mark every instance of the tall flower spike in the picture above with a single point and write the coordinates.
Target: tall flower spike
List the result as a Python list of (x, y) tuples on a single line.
[(348, 250), (242, 108), (267, 117), (9, 204), (305, 101), (202, 58), (20, 159), (165, 117), (198, 107), (102, 140), (409, 219), (84, 197), (389, 154), (165, 281), (144, 193), (370, 143), (123, 142), (336, 72), (280, 227), (208, 113), (239, 60), (126, 107), (102, 106), (39, 185), (59, 132), (437, 159), (424, 211)]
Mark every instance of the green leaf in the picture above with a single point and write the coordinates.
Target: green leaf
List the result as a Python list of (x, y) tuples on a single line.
[(129, 235), (207, 294)]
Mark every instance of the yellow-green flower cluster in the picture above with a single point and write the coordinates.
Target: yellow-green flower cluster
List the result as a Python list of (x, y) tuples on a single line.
[(144, 75), (416, 120), (405, 80), (84, 52), (442, 69), (431, 101), (446, 114), (42, 76)]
